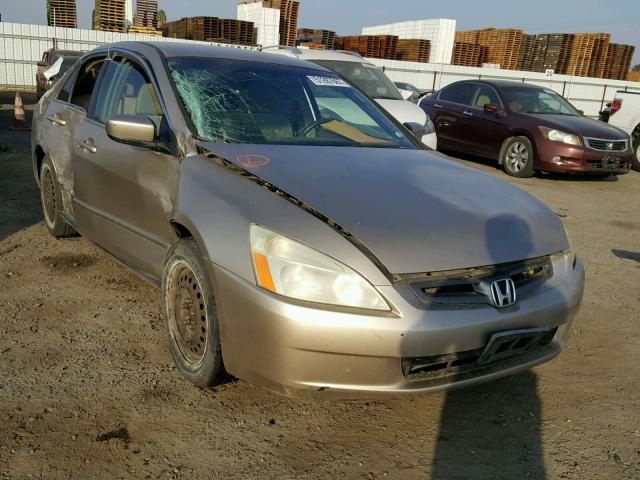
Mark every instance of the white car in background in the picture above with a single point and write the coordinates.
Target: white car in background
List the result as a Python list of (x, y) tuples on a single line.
[(372, 81), (625, 114)]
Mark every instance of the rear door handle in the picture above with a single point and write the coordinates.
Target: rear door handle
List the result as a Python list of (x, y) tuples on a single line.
[(467, 113), (88, 146), (56, 120)]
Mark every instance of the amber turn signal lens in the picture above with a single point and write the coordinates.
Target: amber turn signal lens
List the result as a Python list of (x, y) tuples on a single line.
[(264, 274)]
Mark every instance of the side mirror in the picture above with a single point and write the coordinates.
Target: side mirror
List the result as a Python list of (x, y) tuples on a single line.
[(493, 108), (581, 112), (415, 128), (131, 129), (42, 63), (406, 94)]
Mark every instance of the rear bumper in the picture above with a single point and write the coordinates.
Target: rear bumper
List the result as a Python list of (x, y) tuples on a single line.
[(299, 350), (558, 157)]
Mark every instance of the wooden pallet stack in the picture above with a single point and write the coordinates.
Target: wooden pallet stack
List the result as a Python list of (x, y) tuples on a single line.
[(581, 54), (289, 11), (503, 44), (468, 54), (618, 61), (599, 55), (109, 16), (373, 46), (62, 13), (318, 37), (313, 46), (211, 29), (146, 14), (413, 50)]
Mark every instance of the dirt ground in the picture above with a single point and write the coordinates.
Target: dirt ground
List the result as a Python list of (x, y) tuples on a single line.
[(88, 389)]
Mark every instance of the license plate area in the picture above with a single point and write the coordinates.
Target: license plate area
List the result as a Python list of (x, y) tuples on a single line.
[(514, 342), (608, 161)]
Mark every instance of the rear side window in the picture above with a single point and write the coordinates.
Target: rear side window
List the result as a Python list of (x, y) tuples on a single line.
[(459, 93), (86, 82), (65, 91), (126, 90)]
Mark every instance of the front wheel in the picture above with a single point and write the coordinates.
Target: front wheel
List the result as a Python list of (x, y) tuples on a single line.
[(517, 157), (635, 163), (190, 315)]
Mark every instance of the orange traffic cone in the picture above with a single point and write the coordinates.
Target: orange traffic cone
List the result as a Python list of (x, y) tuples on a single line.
[(20, 121)]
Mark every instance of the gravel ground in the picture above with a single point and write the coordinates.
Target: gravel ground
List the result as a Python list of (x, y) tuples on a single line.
[(88, 389)]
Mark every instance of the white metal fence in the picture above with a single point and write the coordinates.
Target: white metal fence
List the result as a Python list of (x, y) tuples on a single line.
[(587, 94), (22, 45)]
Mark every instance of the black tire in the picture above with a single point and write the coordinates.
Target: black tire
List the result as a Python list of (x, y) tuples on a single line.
[(635, 163), (51, 201), (517, 157), (190, 315)]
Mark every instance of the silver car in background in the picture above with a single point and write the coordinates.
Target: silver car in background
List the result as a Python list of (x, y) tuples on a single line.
[(293, 248)]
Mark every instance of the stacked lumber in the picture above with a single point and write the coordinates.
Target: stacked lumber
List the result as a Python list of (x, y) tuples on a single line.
[(468, 54), (211, 29), (109, 16), (317, 36), (374, 46), (503, 44), (62, 13), (144, 30), (581, 54), (413, 50), (146, 14), (599, 55), (618, 61)]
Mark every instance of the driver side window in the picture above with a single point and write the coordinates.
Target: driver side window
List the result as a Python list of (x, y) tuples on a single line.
[(126, 90)]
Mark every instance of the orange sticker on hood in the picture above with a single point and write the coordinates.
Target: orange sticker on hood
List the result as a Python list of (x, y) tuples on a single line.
[(250, 160)]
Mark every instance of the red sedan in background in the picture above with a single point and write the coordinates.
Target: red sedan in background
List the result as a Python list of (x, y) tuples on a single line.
[(526, 128)]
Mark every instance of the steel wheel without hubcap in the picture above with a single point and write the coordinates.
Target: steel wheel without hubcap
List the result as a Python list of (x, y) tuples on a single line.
[(49, 203), (187, 314), (517, 156)]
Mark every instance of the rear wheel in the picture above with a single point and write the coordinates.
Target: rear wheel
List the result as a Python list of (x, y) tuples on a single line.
[(51, 200), (190, 315), (517, 157)]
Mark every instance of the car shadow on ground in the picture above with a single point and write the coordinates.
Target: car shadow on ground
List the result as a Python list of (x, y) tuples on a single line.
[(578, 177), (19, 195), (494, 430), (626, 254)]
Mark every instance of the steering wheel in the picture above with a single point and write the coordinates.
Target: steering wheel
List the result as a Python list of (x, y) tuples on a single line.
[(315, 124)]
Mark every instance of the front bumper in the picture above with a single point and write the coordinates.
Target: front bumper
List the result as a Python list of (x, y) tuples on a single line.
[(559, 157), (299, 350)]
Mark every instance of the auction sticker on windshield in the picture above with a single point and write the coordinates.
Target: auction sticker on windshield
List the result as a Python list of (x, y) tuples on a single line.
[(328, 81)]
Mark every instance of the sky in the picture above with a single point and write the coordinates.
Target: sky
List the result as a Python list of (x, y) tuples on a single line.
[(621, 18)]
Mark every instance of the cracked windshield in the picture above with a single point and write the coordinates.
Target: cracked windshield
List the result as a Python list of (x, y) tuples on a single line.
[(236, 101)]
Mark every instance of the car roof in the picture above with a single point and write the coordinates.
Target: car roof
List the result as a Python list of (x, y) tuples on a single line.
[(500, 83), (311, 54), (176, 49)]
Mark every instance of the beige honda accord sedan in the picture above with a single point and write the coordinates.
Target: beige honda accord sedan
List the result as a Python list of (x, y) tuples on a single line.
[(301, 237)]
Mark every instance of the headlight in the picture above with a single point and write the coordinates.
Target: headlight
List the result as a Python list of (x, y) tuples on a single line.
[(560, 136), (429, 127), (289, 268)]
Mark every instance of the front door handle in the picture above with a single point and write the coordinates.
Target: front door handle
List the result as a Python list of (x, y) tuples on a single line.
[(437, 105), (467, 113), (56, 120), (88, 145)]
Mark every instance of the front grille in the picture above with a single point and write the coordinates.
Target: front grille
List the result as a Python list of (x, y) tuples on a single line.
[(606, 145), (606, 164), (472, 286), (454, 364)]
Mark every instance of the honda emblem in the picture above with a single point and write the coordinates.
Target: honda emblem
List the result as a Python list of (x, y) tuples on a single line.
[(610, 146), (503, 293)]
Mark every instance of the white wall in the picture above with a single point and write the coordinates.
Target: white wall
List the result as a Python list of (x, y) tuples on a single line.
[(587, 94), (440, 31), (22, 45), (265, 20)]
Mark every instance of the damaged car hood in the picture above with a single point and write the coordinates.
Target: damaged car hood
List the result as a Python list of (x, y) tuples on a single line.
[(416, 211)]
